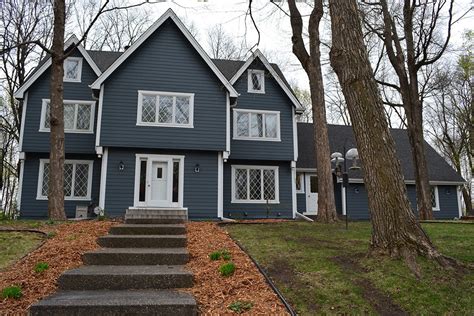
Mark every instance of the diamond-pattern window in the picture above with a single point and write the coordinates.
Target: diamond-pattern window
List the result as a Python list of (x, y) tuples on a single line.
[(256, 81), (255, 184), (242, 124), (271, 126), (434, 199), (83, 117), (165, 109), (256, 125), (77, 116), (69, 114), (76, 179), (72, 69)]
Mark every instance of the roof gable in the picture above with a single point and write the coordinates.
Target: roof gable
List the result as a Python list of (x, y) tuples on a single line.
[(46, 63), (169, 14)]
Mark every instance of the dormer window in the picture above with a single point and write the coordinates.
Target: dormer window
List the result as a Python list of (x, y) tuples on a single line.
[(72, 69), (256, 81)]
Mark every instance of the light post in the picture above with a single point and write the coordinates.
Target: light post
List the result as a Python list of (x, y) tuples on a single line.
[(340, 163)]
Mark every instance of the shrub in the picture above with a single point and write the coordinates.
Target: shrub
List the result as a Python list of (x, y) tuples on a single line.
[(12, 292), (240, 306), (51, 234), (216, 255), (226, 255), (41, 266), (50, 222), (227, 269)]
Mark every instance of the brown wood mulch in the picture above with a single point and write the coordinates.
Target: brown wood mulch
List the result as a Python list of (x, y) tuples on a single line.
[(62, 252), (214, 292)]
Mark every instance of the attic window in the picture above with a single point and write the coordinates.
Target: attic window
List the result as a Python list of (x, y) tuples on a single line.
[(256, 81), (72, 69)]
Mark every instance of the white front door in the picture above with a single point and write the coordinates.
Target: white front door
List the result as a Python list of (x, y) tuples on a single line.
[(159, 184), (311, 194)]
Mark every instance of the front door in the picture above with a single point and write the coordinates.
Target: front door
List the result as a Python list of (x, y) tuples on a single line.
[(311, 194), (159, 184)]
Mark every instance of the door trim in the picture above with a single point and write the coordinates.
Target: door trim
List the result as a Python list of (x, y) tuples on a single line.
[(164, 158), (307, 181)]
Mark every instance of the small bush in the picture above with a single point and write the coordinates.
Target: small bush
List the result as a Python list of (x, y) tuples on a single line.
[(51, 234), (240, 306), (101, 218), (50, 222), (12, 292), (227, 269), (226, 255), (41, 266), (216, 255)]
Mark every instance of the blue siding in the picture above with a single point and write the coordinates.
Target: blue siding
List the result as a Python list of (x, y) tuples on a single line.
[(35, 141), (33, 208), (200, 189), (274, 99), (301, 202), (448, 202), (165, 62), (281, 210)]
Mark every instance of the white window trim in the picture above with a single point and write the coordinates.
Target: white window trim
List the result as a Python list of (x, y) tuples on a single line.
[(248, 201), (436, 193), (79, 73), (265, 139), (72, 131), (166, 93), (249, 81), (300, 176), (39, 195)]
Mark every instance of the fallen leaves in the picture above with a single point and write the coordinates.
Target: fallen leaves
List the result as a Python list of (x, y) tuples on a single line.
[(214, 292)]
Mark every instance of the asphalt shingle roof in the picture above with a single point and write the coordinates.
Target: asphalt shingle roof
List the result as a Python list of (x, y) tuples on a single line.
[(438, 168)]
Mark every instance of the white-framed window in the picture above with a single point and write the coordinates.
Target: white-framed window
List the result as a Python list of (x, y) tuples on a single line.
[(77, 179), (435, 198), (256, 125), (78, 116), (299, 182), (256, 81), (255, 184), (72, 69), (172, 109)]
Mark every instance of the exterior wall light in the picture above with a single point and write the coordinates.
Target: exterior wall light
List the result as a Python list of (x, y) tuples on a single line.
[(121, 166), (196, 168)]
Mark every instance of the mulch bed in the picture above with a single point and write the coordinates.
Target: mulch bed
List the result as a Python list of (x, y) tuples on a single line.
[(214, 292), (62, 252)]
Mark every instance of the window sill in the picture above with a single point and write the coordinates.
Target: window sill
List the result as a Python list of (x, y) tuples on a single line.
[(87, 198), (299, 192), (257, 139), (164, 125), (254, 202), (67, 131), (72, 80), (256, 91)]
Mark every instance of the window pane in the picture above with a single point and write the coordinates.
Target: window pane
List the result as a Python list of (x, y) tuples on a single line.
[(299, 186), (313, 184), (256, 81), (242, 124), (255, 178), (256, 125), (165, 112), (148, 108), (182, 110), (241, 184), (47, 116), (83, 117), (68, 169), (44, 189), (433, 198), (81, 180), (175, 181), (141, 195), (71, 69), (69, 113), (269, 184), (271, 125)]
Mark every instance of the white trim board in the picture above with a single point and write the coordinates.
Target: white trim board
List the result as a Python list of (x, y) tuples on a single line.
[(42, 128), (19, 94), (276, 170), (168, 14), (23, 119), (103, 178), (256, 138), (258, 53)]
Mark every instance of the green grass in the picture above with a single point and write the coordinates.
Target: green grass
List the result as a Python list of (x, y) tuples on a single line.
[(41, 267), (227, 269), (14, 245), (324, 269)]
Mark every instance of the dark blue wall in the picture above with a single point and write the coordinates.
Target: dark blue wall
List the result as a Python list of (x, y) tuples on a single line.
[(236, 210), (165, 62), (200, 189), (35, 141), (33, 208), (274, 99)]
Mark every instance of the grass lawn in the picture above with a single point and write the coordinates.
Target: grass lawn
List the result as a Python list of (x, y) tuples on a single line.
[(14, 245), (323, 269)]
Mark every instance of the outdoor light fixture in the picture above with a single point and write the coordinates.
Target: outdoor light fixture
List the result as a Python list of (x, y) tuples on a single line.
[(196, 168), (353, 154), (121, 166)]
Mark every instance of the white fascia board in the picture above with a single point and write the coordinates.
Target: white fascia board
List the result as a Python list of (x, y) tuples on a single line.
[(168, 14), (19, 94), (258, 53)]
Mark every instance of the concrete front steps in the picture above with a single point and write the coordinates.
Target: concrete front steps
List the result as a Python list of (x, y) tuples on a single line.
[(137, 273)]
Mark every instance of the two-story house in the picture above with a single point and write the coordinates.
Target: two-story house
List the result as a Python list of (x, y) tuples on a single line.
[(163, 126)]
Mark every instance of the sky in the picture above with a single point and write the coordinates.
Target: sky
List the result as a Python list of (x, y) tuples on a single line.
[(274, 27)]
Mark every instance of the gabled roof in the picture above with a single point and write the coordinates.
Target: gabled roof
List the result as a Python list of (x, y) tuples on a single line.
[(46, 62), (169, 14), (438, 169), (279, 79)]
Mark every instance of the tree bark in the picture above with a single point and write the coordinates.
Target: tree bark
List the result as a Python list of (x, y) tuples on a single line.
[(311, 63), (395, 231), (56, 157)]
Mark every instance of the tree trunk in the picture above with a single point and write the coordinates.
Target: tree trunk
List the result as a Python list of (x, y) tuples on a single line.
[(395, 231), (56, 157), (467, 200), (312, 65)]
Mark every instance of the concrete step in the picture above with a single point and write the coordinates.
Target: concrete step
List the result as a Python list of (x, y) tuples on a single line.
[(125, 278), (132, 302), (154, 220), (142, 241), (156, 212), (148, 229), (136, 256)]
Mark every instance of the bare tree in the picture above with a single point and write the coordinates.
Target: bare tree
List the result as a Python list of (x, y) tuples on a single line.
[(336, 104), (304, 96), (395, 230), (223, 46)]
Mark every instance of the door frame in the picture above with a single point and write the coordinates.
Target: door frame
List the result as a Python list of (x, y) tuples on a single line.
[(161, 158), (307, 180)]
